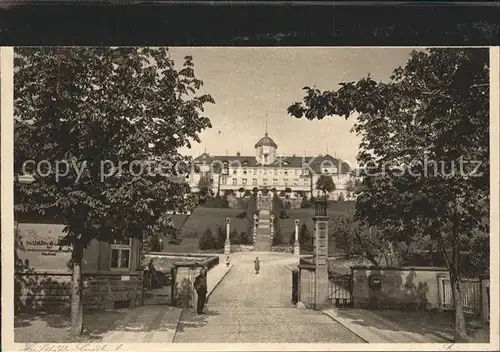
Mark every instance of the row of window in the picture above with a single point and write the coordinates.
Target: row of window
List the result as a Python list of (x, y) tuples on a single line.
[(244, 182), (276, 172)]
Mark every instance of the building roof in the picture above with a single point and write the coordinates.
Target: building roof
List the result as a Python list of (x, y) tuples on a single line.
[(266, 141), (282, 161)]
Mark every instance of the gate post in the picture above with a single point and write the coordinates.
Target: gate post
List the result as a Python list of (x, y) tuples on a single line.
[(320, 255)]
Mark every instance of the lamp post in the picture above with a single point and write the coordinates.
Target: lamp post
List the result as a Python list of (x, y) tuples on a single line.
[(227, 244), (296, 244)]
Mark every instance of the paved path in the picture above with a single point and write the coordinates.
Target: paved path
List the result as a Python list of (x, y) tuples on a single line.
[(251, 308), (157, 322)]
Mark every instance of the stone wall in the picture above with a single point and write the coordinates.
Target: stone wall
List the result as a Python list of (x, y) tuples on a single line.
[(241, 248), (401, 288), (282, 249), (49, 291)]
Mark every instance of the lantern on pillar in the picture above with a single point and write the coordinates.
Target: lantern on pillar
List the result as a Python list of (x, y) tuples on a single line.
[(320, 206)]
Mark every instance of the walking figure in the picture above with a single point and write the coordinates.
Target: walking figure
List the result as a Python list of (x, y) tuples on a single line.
[(200, 285), (257, 265)]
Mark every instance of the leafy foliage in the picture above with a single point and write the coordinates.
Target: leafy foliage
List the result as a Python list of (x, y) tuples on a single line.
[(424, 150), (205, 185), (325, 184), (207, 240), (95, 108)]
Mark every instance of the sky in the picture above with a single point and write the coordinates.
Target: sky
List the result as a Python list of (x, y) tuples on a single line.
[(249, 83)]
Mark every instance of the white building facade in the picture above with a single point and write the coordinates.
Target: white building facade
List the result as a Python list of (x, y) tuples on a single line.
[(295, 176)]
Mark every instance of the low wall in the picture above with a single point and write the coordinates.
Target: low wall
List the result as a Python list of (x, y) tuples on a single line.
[(400, 288), (241, 248), (282, 249), (51, 291)]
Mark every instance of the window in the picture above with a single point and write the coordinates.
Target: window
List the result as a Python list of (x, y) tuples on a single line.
[(223, 180), (244, 171), (296, 172), (121, 252), (254, 182), (275, 171), (306, 182), (306, 172), (295, 182), (234, 171), (286, 181), (265, 181), (234, 181), (244, 181), (255, 171), (285, 172), (275, 182), (264, 171)]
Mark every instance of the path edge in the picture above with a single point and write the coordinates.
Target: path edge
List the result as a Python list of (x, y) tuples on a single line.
[(329, 313), (220, 280)]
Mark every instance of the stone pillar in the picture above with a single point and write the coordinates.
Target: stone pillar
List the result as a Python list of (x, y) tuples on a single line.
[(255, 225), (296, 244), (227, 244), (320, 262)]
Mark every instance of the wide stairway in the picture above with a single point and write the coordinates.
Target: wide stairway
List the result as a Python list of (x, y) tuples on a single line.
[(263, 238)]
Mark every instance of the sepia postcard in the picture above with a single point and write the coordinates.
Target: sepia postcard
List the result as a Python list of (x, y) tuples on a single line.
[(249, 198)]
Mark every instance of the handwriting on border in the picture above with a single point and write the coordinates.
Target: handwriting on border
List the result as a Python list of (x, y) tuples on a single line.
[(84, 347)]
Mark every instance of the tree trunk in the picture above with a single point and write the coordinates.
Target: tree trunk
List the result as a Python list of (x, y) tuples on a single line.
[(460, 332), (76, 293)]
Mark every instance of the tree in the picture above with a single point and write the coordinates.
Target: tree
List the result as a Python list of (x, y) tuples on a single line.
[(349, 186), (325, 184), (205, 186), (94, 108), (425, 150), (207, 240)]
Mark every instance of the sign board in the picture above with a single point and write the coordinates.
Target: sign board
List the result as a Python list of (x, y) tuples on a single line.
[(37, 247), (125, 277)]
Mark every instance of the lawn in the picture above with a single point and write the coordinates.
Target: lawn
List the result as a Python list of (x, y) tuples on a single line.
[(203, 217)]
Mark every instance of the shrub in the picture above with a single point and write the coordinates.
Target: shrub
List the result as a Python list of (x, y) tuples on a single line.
[(306, 203), (277, 239), (241, 190), (305, 238), (221, 237), (288, 190), (207, 240), (241, 215), (244, 238)]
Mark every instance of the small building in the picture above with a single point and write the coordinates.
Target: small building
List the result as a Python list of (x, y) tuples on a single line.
[(111, 272)]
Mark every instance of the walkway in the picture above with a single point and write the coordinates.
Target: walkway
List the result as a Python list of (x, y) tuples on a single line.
[(156, 322), (252, 308)]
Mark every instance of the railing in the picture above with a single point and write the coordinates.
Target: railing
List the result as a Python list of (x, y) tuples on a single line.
[(470, 292)]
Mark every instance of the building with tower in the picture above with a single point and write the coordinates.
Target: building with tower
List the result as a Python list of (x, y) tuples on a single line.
[(294, 175)]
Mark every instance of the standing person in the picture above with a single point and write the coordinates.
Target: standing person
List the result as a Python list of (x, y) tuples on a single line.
[(200, 285), (153, 277), (257, 265)]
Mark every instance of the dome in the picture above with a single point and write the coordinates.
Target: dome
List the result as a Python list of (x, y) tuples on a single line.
[(266, 141)]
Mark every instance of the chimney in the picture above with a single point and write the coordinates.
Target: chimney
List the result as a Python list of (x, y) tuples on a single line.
[(238, 154)]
